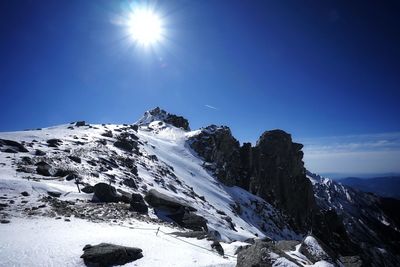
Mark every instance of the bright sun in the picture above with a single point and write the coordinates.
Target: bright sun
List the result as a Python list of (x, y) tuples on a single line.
[(145, 27)]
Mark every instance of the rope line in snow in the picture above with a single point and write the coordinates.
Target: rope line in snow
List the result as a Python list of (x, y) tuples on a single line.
[(177, 238)]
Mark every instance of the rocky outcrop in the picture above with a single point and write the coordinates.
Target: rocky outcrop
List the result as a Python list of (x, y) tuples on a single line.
[(221, 152), (264, 254), (107, 193), (179, 212), (104, 254), (158, 114), (10, 145), (278, 176), (272, 170)]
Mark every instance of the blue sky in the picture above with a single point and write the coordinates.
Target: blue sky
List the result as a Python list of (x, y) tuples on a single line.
[(321, 70)]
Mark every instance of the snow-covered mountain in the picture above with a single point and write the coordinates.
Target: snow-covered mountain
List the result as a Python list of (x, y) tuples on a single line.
[(179, 195)]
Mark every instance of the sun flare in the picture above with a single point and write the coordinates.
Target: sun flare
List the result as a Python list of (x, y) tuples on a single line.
[(145, 27)]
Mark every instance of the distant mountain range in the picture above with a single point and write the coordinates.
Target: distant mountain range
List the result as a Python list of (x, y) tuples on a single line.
[(382, 186)]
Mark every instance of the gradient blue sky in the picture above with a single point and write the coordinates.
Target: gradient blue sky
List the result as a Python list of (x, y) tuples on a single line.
[(328, 72)]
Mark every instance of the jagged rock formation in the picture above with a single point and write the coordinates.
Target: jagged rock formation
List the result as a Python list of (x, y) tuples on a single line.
[(279, 175), (158, 114), (356, 222), (273, 169), (221, 151)]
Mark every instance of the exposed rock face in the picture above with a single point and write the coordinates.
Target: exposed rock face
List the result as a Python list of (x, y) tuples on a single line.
[(104, 255), (221, 151), (272, 170), (159, 200), (158, 114), (279, 176)]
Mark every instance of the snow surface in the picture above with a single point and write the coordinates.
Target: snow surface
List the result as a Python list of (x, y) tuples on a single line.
[(49, 242)]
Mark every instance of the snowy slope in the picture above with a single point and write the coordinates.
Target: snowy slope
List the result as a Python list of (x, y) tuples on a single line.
[(163, 162)]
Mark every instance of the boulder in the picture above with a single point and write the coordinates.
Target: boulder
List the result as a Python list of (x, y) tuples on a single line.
[(129, 182), (54, 193), (88, 189), (54, 142), (39, 152), (137, 204), (162, 201), (13, 145), (104, 255), (44, 169), (25, 194), (217, 246), (80, 123), (105, 193), (75, 159)]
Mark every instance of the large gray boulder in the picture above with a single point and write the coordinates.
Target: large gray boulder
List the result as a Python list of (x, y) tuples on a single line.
[(104, 255)]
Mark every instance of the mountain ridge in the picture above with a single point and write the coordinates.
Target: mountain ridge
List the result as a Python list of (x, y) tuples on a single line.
[(242, 192)]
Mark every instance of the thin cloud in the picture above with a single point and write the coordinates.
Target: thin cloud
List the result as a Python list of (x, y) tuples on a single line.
[(211, 107), (366, 153)]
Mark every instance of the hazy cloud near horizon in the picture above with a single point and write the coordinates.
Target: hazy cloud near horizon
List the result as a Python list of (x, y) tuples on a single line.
[(369, 153)]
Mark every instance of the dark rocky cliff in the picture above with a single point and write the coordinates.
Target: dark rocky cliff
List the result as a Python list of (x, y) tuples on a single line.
[(272, 170)]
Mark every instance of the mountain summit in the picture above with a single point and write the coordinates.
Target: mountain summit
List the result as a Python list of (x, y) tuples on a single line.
[(156, 184), (158, 114)]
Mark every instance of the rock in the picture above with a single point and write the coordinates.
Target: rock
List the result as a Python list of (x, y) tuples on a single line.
[(137, 204), (44, 169), (88, 189), (4, 221), (192, 234), (39, 152), (25, 194), (107, 133), (263, 254), (217, 246), (13, 145), (159, 200), (217, 146), (135, 127), (54, 193), (80, 123), (316, 251), (158, 114), (193, 221), (351, 261), (127, 145), (105, 193), (72, 176), (54, 142), (279, 177), (104, 255), (129, 182), (75, 159)]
